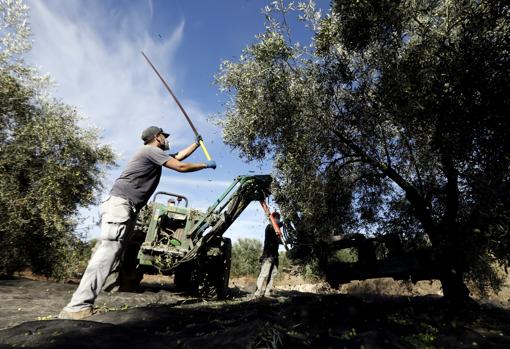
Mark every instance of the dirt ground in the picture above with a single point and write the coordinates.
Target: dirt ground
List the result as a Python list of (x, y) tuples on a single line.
[(371, 314)]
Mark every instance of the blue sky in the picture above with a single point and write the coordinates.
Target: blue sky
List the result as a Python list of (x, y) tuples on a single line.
[(91, 49)]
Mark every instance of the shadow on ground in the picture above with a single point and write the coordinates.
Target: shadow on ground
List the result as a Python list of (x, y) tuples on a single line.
[(290, 320)]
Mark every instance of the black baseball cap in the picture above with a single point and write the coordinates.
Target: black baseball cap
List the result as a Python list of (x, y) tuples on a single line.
[(151, 132)]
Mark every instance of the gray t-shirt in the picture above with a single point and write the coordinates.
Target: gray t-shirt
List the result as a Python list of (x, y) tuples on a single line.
[(140, 178)]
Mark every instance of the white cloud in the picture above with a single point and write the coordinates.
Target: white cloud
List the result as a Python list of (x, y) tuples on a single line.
[(93, 53)]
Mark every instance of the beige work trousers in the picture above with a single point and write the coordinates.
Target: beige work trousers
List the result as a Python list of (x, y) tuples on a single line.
[(118, 218), (268, 272)]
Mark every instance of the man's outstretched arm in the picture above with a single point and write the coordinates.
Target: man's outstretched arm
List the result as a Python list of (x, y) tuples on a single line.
[(184, 153), (180, 166)]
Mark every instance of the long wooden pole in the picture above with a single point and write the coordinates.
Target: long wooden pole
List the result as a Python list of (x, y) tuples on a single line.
[(202, 145)]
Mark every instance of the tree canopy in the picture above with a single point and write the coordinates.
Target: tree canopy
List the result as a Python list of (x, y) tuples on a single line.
[(245, 257), (392, 120), (50, 166)]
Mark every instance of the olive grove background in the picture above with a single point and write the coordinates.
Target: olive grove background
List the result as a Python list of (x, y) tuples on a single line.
[(49, 165), (392, 119)]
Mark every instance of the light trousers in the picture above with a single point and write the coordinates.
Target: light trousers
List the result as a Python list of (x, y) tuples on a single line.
[(118, 218), (268, 272)]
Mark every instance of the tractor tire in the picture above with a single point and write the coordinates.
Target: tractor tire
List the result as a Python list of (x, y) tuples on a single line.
[(215, 272), (185, 278), (208, 276)]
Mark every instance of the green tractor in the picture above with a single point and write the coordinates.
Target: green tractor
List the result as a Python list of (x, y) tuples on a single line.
[(173, 239), (170, 238)]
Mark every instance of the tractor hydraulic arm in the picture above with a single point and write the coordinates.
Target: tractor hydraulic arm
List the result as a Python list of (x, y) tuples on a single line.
[(230, 205)]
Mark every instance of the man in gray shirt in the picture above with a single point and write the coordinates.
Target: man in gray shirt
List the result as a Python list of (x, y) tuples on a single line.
[(129, 194)]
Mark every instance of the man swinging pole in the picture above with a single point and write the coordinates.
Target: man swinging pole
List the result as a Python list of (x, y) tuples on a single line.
[(129, 194)]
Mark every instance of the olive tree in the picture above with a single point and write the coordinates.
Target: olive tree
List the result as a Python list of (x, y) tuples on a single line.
[(393, 118), (245, 257), (50, 167)]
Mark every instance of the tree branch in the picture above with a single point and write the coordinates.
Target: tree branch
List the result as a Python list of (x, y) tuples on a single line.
[(421, 210), (413, 159)]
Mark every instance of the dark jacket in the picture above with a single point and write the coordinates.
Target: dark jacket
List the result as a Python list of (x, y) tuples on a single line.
[(271, 243)]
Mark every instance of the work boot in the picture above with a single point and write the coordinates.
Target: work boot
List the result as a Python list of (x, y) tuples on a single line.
[(76, 315)]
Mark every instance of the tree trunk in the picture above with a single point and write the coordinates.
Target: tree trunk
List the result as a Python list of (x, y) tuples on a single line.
[(454, 288)]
